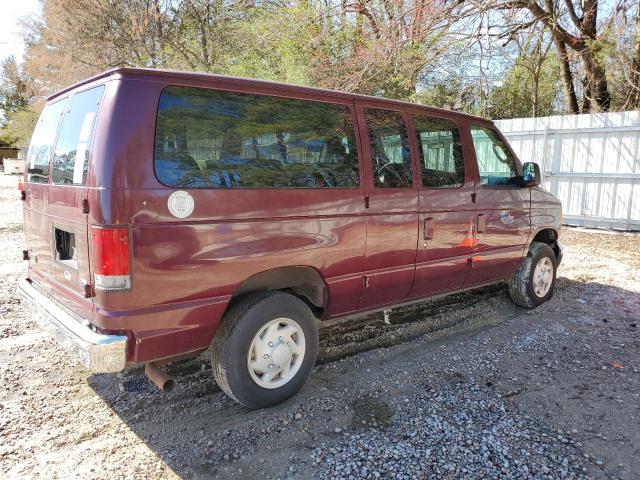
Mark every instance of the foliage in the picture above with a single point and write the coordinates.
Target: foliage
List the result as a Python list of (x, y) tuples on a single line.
[(16, 96), (15, 93), (514, 98), (583, 28), (493, 58), (19, 126), (453, 93), (270, 44)]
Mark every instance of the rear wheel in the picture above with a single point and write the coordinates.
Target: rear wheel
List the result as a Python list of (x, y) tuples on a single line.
[(535, 280), (265, 348)]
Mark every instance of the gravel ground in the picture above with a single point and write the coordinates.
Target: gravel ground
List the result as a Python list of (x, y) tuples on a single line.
[(467, 386)]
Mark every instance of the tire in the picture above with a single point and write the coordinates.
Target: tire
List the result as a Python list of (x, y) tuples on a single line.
[(523, 288), (237, 339)]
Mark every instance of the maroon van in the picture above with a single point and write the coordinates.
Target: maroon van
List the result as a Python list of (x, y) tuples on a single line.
[(166, 212)]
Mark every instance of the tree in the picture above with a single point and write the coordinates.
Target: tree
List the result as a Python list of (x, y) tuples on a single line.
[(20, 126), (465, 55), (529, 89), (15, 97), (15, 93), (633, 96), (574, 25), (623, 57), (567, 76), (381, 47)]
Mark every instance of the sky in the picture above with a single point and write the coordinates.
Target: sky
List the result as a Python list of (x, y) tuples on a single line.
[(11, 11)]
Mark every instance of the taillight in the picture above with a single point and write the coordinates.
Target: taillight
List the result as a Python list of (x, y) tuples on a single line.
[(111, 258)]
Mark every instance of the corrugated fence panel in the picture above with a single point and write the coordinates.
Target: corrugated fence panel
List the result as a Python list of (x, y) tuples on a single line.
[(591, 162)]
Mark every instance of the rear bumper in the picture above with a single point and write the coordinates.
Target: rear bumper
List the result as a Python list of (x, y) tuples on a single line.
[(99, 353)]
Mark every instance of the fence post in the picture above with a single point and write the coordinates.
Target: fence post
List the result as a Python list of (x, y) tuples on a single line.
[(545, 157)]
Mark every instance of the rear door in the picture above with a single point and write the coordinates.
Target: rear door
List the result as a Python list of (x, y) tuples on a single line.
[(36, 221), (67, 202), (392, 205), (446, 209), (56, 194), (503, 208)]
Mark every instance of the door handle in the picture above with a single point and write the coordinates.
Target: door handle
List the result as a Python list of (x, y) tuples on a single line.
[(428, 228), (481, 223)]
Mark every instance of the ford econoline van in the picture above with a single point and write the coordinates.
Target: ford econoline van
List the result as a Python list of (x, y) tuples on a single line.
[(169, 212)]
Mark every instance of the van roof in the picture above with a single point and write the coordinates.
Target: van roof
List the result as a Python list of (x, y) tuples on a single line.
[(122, 72)]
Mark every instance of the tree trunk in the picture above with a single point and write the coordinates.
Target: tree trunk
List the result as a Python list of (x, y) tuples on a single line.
[(534, 95), (585, 44), (158, 47), (586, 96), (205, 23), (597, 89), (567, 77)]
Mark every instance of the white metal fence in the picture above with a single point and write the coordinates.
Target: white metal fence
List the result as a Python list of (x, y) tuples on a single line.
[(591, 162)]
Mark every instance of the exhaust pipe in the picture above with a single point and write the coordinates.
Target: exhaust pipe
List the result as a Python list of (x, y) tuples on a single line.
[(163, 381)]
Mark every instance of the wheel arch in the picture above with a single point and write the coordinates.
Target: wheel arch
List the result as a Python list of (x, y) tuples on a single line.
[(549, 236), (303, 281)]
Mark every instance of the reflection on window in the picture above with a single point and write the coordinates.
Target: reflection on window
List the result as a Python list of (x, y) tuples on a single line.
[(440, 153), (390, 159), (71, 159), (495, 163), (212, 139), (42, 141)]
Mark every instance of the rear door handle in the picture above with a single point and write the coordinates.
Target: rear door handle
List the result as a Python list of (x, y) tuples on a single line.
[(481, 224), (428, 228)]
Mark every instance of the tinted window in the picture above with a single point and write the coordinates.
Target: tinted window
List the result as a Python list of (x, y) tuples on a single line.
[(440, 152), (390, 158), (42, 141), (212, 139), (71, 159), (495, 163)]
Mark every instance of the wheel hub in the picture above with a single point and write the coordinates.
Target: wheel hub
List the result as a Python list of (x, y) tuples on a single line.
[(276, 353), (281, 355), (543, 277)]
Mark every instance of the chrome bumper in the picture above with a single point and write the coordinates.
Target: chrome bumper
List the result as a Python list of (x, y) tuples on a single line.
[(99, 353)]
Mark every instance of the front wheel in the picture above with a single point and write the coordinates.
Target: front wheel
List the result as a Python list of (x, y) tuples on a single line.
[(265, 348), (535, 281)]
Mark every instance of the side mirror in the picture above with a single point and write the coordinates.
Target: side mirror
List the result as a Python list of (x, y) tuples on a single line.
[(531, 176)]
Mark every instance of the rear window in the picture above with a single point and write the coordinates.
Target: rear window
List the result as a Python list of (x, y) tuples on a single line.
[(42, 141), (71, 158), (212, 139)]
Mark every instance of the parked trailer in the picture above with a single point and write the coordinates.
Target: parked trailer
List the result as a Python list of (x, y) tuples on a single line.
[(13, 166)]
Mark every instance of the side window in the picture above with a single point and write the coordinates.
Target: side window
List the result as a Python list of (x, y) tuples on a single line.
[(71, 158), (213, 139), (390, 158), (42, 142), (496, 165), (440, 152)]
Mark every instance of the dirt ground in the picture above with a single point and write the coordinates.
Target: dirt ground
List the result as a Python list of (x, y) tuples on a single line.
[(554, 391)]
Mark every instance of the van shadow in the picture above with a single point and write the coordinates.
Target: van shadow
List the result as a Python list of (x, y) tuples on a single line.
[(197, 431)]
